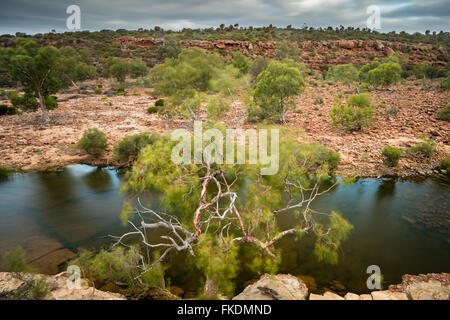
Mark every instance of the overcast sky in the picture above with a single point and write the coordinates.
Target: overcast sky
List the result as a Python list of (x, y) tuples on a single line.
[(40, 16)]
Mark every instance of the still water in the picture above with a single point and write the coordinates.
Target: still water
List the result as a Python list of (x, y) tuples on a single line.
[(401, 226)]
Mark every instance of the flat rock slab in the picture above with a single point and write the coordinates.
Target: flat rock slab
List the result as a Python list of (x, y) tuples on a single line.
[(275, 287), (388, 295), (351, 296)]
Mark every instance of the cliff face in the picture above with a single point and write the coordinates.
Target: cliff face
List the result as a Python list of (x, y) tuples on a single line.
[(313, 53)]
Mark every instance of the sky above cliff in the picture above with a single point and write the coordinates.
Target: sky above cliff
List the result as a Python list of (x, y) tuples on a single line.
[(42, 16)]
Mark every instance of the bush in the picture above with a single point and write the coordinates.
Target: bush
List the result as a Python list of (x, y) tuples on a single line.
[(50, 102), (423, 70), (444, 113), (98, 91), (4, 172), (191, 71), (127, 149), (347, 73), (444, 164), (138, 68), (259, 65), (14, 261), (240, 62), (159, 103), (93, 142), (445, 84), (7, 110), (143, 82), (118, 265), (357, 113), (153, 110), (391, 156), (26, 102), (385, 74), (169, 49), (424, 149)]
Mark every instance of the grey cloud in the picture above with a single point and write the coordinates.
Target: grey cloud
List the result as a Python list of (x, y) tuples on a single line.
[(44, 15)]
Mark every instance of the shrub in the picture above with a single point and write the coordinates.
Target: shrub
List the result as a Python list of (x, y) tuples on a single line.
[(347, 73), (444, 164), (159, 103), (143, 82), (118, 265), (446, 83), (98, 91), (259, 65), (26, 102), (138, 68), (5, 109), (4, 172), (385, 74), (127, 149), (191, 70), (50, 102), (153, 109), (424, 149), (169, 49), (357, 113), (240, 62), (216, 107), (93, 142), (423, 70), (14, 261), (444, 113), (391, 156), (117, 68)]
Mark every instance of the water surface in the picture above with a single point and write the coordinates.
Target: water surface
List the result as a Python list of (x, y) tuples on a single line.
[(401, 226)]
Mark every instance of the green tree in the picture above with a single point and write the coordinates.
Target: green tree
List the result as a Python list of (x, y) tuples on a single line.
[(358, 112), (446, 83), (38, 69), (127, 149), (209, 210), (74, 68), (116, 68), (138, 68), (257, 66), (276, 88), (377, 73), (241, 62), (346, 73), (169, 49)]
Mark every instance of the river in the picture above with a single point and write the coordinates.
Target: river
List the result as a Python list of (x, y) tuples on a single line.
[(402, 226)]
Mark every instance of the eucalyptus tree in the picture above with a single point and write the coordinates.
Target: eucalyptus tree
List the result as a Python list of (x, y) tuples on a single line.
[(37, 69), (215, 211)]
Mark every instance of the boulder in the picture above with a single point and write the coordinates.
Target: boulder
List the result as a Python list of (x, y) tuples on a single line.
[(432, 286), (351, 296), (388, 295), (19, 286), (275, 287), (332, 296)]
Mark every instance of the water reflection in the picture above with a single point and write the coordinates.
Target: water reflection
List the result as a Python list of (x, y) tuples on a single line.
[(402, 226), (98, 179)]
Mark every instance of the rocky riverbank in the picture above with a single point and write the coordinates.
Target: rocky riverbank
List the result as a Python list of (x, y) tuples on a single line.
[(432, 286), (28, 144)]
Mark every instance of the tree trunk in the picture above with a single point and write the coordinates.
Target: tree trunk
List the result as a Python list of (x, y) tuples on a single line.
[(210, 289), (44, 111)]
